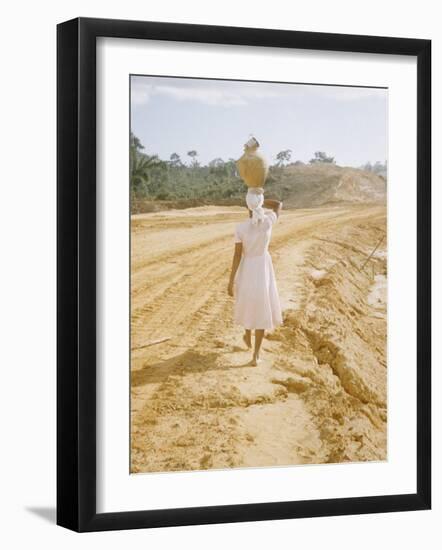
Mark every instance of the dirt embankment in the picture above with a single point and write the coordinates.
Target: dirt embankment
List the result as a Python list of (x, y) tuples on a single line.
[(321, 184), (319, 395)]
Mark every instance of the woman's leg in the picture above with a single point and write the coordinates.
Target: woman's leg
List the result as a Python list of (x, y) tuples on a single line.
[(247, 338), (259, 335)]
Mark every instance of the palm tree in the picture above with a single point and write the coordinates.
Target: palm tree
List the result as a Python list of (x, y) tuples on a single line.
[(140, 171), (141, 166), (135, 143)]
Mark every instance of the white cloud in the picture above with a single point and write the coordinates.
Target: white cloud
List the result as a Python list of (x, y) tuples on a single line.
[(210, 96), (229, 93), (208, 92)]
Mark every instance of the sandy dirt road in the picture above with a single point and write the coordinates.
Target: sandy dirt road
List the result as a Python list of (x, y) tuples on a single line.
[(320, 393)]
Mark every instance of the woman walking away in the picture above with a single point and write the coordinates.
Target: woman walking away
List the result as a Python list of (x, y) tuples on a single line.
[(257, 305)]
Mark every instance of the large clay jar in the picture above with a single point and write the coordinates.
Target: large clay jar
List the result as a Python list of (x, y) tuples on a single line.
[(252, 166)]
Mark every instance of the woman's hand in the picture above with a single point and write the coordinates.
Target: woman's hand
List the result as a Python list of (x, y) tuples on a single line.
[(235, 264), (274, 205)]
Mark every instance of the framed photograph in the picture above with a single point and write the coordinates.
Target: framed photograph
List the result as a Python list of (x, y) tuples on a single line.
[(243, 274)]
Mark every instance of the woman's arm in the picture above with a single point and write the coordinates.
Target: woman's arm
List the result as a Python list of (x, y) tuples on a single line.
[(274, 205), (235, 264)]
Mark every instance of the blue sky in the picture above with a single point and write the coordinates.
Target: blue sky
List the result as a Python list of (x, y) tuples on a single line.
[(216, 117)]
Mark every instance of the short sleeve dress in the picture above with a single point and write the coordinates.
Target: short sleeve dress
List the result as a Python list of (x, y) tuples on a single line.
[(257, 304)]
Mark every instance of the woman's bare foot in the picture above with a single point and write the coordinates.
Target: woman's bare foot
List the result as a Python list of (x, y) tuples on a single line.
[(247, 338), (255, 360)]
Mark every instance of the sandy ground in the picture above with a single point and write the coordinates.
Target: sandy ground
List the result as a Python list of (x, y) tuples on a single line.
[(319, 394)]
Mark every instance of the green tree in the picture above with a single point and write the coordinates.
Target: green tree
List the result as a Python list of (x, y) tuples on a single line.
[(217, 167), (216, 163), (283, 157), (135, 148), (142, 166), (135, 142), (141, 170), (322, 157), (193, 154), (175, 160)]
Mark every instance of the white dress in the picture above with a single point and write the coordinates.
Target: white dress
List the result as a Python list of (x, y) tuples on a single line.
[(257, 303)]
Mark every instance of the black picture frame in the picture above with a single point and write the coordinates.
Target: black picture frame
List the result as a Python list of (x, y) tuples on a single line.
[(76, 273)]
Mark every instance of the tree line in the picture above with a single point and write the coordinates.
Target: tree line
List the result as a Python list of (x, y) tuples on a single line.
[(156, 179)]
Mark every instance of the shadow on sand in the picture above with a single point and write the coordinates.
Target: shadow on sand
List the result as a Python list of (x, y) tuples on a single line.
[(189, 362)]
